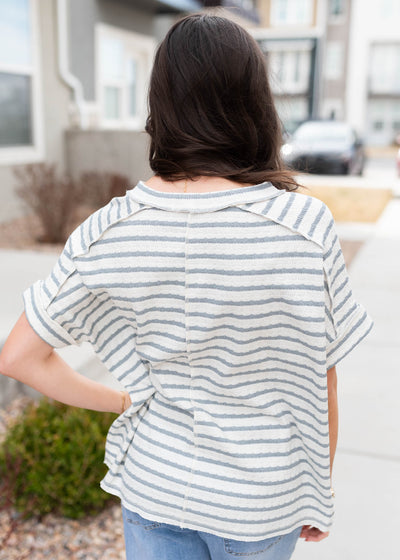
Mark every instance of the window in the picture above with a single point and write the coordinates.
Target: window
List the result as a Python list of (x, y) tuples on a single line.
[(133, 87), (277, 61), (111, 64), (297, 67), (15, 110), (385, 69), (291, 12), (291, 69), (123, 67), (337, 8), (383, 121), (333, 68), (246, 4), (19, 137), (292, 112)]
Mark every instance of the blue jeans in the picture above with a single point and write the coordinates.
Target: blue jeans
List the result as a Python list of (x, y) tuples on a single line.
[(150, 540)]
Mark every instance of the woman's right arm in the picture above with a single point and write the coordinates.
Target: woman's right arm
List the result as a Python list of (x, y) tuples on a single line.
[(27, 358)]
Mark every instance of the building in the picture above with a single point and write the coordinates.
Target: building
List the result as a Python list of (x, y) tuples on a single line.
[(291, 35), (373, 77), (245, 12), (73, 74), (73, 77), (306, 43), (335, 60), (73, 82)]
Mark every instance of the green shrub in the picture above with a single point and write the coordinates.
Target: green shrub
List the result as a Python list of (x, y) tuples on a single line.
[(51, 460)]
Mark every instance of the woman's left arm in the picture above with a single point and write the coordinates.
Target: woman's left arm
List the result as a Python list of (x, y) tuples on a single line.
[(333, 414), (27, 358)]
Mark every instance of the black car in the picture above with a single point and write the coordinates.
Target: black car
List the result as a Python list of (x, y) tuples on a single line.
[(324, 147)]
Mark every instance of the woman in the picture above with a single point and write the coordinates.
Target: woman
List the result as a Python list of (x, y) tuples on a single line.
[(219, 298)]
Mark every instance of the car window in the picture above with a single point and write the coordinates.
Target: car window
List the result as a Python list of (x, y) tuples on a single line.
[(324, 131)]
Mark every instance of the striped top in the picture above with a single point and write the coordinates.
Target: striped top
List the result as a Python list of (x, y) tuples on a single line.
[(220, 313)]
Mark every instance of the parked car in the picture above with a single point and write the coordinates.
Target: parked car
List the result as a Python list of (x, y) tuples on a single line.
[(325, 147)]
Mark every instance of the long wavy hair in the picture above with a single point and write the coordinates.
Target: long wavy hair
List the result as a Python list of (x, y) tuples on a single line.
[(211, 110)]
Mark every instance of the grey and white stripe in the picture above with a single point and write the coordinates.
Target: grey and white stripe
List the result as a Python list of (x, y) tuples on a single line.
[(220, 313)]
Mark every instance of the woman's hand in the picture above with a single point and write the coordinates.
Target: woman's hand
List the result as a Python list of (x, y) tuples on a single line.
[(312, 534)]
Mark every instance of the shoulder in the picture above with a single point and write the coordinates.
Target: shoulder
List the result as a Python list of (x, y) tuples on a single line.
[(300, 213), (99, 223)]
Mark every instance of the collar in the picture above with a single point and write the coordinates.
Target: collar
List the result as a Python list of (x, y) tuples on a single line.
[(203, 202)]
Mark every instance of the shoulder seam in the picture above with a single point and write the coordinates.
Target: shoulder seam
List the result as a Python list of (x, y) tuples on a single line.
[(131, 208), (254, 208)]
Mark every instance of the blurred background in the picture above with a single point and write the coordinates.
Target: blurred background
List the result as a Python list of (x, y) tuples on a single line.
[(73, 83), (73, 76)]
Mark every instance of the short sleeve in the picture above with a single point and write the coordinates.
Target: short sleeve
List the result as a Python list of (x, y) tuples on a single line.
[(347, 322), (58, 308)]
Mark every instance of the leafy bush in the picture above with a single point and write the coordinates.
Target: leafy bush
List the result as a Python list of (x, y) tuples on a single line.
[(51, 460)]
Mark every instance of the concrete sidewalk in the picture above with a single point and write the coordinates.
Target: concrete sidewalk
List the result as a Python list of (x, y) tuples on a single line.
[(367, 465)]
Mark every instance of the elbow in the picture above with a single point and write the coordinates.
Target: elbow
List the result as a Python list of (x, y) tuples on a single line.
[(13, 360), (22, 351), (7, 362)]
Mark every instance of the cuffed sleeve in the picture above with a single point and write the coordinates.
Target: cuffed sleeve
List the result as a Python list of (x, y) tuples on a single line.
[(65, 310), (40, 320), (58, 307), (347, 322)]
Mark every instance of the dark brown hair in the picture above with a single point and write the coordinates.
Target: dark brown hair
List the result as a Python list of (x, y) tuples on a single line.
[(211, 111)]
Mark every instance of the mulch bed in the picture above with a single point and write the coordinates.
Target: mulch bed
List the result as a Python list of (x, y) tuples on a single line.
[(58, 538), (54, 537)]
